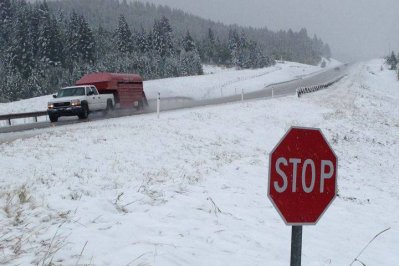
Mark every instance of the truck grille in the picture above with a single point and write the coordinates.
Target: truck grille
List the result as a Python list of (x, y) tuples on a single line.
[(63, 104)]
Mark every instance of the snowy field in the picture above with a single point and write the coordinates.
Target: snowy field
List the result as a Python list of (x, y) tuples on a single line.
[(215, 83), (190, 188)]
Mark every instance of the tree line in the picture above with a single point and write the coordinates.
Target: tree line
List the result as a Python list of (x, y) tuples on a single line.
[(44, 46)]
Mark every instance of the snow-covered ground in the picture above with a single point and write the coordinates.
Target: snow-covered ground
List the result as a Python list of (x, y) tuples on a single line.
[(220, 82), (190, 188), (215, 83)]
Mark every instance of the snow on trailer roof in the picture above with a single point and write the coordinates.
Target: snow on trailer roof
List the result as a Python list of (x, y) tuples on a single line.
[(107, 77)]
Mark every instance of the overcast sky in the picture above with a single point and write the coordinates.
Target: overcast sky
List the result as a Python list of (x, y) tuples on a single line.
[(354, 29)]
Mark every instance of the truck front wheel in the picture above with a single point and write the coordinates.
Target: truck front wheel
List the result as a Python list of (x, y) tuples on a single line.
[(53, 118), (85, 112)]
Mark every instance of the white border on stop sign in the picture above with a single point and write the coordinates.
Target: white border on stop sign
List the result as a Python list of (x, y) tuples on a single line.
[(336, 174)]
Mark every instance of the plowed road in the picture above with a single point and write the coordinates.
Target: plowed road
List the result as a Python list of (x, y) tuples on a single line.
[(281, 89)]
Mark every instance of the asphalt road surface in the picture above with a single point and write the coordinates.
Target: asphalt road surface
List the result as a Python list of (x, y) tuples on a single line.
[(281, 89)]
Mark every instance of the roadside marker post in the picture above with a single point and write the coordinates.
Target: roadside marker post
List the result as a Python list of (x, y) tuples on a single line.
[(242, 94), (272, 92), (302, 181), (158, 104)]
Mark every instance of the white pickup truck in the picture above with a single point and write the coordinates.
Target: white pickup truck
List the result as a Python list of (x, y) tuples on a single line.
[(80, 101)]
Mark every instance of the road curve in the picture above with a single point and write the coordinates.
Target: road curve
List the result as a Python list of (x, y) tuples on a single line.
[(280, 89)]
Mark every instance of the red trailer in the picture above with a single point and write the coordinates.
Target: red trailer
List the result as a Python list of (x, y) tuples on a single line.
[(127, 88)]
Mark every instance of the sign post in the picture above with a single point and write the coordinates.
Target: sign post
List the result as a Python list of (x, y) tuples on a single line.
[(296, 245), (302, 181)]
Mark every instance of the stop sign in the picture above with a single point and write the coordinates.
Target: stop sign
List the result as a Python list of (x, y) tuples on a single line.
[(302, 176)]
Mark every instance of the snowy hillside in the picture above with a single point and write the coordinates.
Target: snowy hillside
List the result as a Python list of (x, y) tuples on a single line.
[(190, 188), (217, 82)]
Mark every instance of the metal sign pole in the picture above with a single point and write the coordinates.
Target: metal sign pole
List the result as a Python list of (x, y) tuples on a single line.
[(296, 245)]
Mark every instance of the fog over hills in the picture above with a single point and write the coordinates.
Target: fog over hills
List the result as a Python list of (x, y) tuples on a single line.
[(355, 29)]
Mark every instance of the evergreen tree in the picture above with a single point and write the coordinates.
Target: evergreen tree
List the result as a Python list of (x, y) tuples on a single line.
[(86, 42), (6, 15), (50, 43), (162, 37), (223, 53), (188, 43), (392, 61), (142, 41), (103, 46), (190, 63), (234, 47), (190, 60), (124, 36), (210, 47), (80, 44), (72, 47), (20, 49)]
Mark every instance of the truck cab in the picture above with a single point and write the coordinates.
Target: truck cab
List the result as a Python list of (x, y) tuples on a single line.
[(78, 101)]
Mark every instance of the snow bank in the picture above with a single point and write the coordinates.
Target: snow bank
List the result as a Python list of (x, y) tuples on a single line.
[(190, 188), (226, 82)]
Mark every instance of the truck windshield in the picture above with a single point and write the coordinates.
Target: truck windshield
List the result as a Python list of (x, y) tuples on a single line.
[(73, 91)]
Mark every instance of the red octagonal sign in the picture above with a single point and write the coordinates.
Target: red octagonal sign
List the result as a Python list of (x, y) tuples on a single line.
[(302, 176)]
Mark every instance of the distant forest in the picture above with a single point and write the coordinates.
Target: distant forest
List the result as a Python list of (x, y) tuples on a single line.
[(46, 45)]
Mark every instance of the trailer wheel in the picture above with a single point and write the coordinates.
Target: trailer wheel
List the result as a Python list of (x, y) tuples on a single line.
[(85, 112), (140, 105), (53, 118)]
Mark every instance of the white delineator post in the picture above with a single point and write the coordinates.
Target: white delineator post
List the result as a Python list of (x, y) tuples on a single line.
[(158, 104), (242, 94), (272, 92)]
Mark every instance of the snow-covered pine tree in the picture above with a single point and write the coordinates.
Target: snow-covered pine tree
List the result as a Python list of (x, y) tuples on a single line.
[(162, 37), (6, 15), (123, 36), (50, 50), (20, 49), (72, 40), (392, 61), (86, 42), (12, 88), (80, 48), (223, 55), (103, 44), (210, 47), (188, 43), (189, 60), (234, 47), (142, 41)]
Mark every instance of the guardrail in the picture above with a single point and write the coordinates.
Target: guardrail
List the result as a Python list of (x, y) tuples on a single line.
[(35, 115), (303, 90), (10, 117)]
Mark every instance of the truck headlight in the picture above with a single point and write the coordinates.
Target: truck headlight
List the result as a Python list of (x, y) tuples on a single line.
[(75, 102), (50, 105)]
